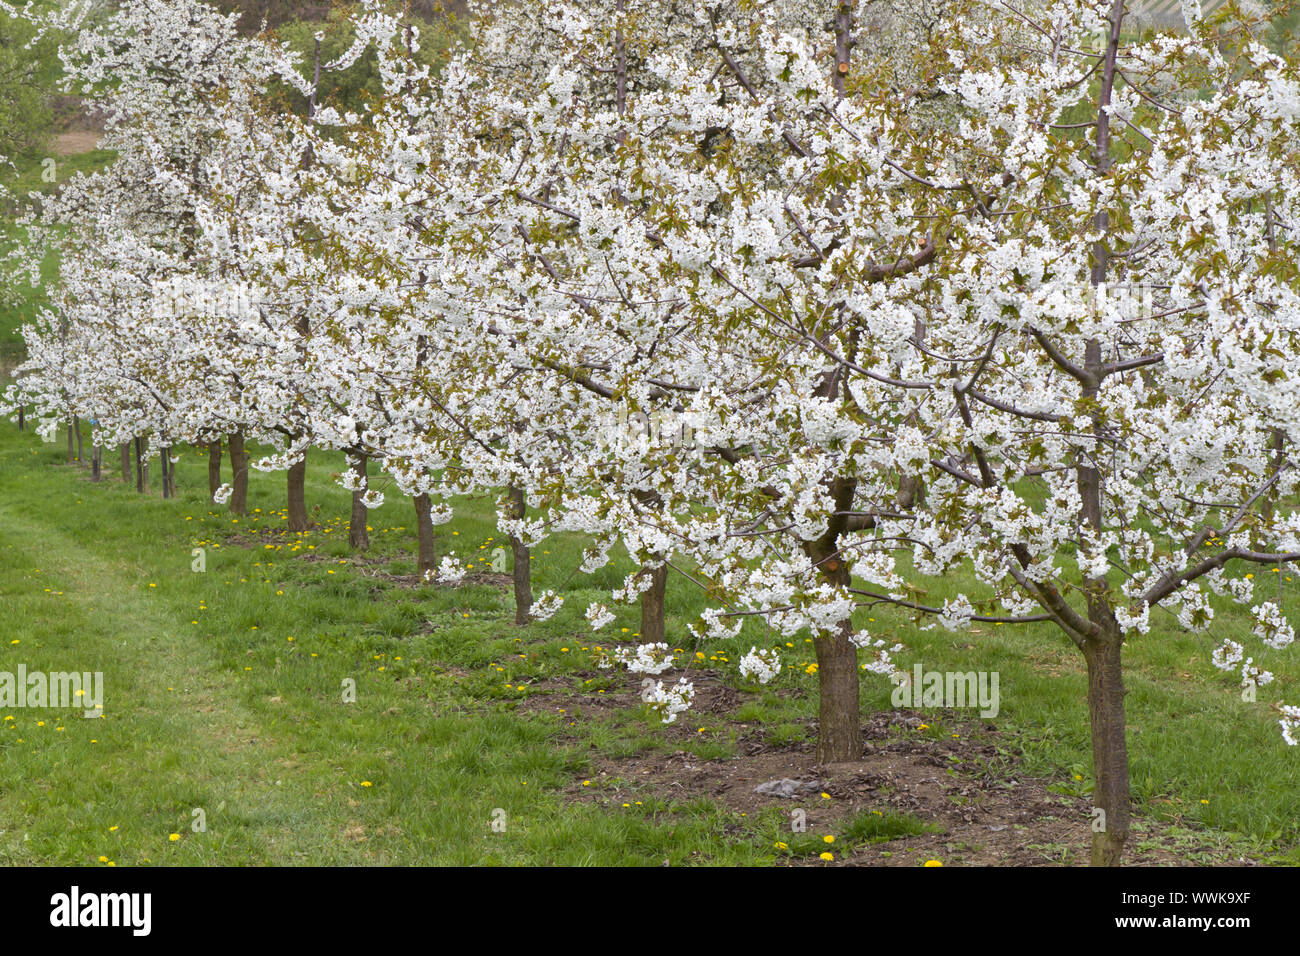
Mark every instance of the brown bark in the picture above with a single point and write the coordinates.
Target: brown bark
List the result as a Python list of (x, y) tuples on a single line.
[(69, 442), (22, 418), (522, 572), (652, 605), (96, 463), (166, 465), (141, 480), (214, 467), (839, 731), (238, 474), (126, 462), (839, 727), (424, 534), (911, 493), (1102, 649), (358, 536), (297, 489), (1109, 747), (76, 427), (1267, 509)]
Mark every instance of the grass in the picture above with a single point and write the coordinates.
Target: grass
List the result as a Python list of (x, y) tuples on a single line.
[(44, 174), (224, 694), (20, 303)]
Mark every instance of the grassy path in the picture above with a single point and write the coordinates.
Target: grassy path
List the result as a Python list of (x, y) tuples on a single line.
[(223, 694), (176, 735)]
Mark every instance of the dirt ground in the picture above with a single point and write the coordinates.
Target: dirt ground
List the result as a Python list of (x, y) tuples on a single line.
[(76, 141), (965, 785)]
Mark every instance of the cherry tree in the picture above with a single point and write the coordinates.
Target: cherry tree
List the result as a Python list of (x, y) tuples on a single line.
[(624, 130), (996, 292), (1033, 317), (160, 73)]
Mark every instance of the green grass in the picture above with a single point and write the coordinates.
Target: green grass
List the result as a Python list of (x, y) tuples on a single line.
[(230, 716), (20, 303), (224, 692), (41, 174)]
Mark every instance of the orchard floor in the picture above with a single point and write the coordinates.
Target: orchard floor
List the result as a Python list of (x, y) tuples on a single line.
[(228, 647)]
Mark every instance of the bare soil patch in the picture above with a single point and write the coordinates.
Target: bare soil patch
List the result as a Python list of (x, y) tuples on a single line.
[(965, 784), (76, 141)]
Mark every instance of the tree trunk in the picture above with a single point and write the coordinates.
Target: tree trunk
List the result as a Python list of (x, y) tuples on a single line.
[(358, 536), (911, 493), (126, 462), (22, 418), (424, 534), (166, 464), (214, 467), (96, 463), (298, 495), (1279, 461), (238, 474), (76, 426), (1109, 748), (839, 727), (652, 606), (69, 441), (522, 572), (839, 730), (140, 479)]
